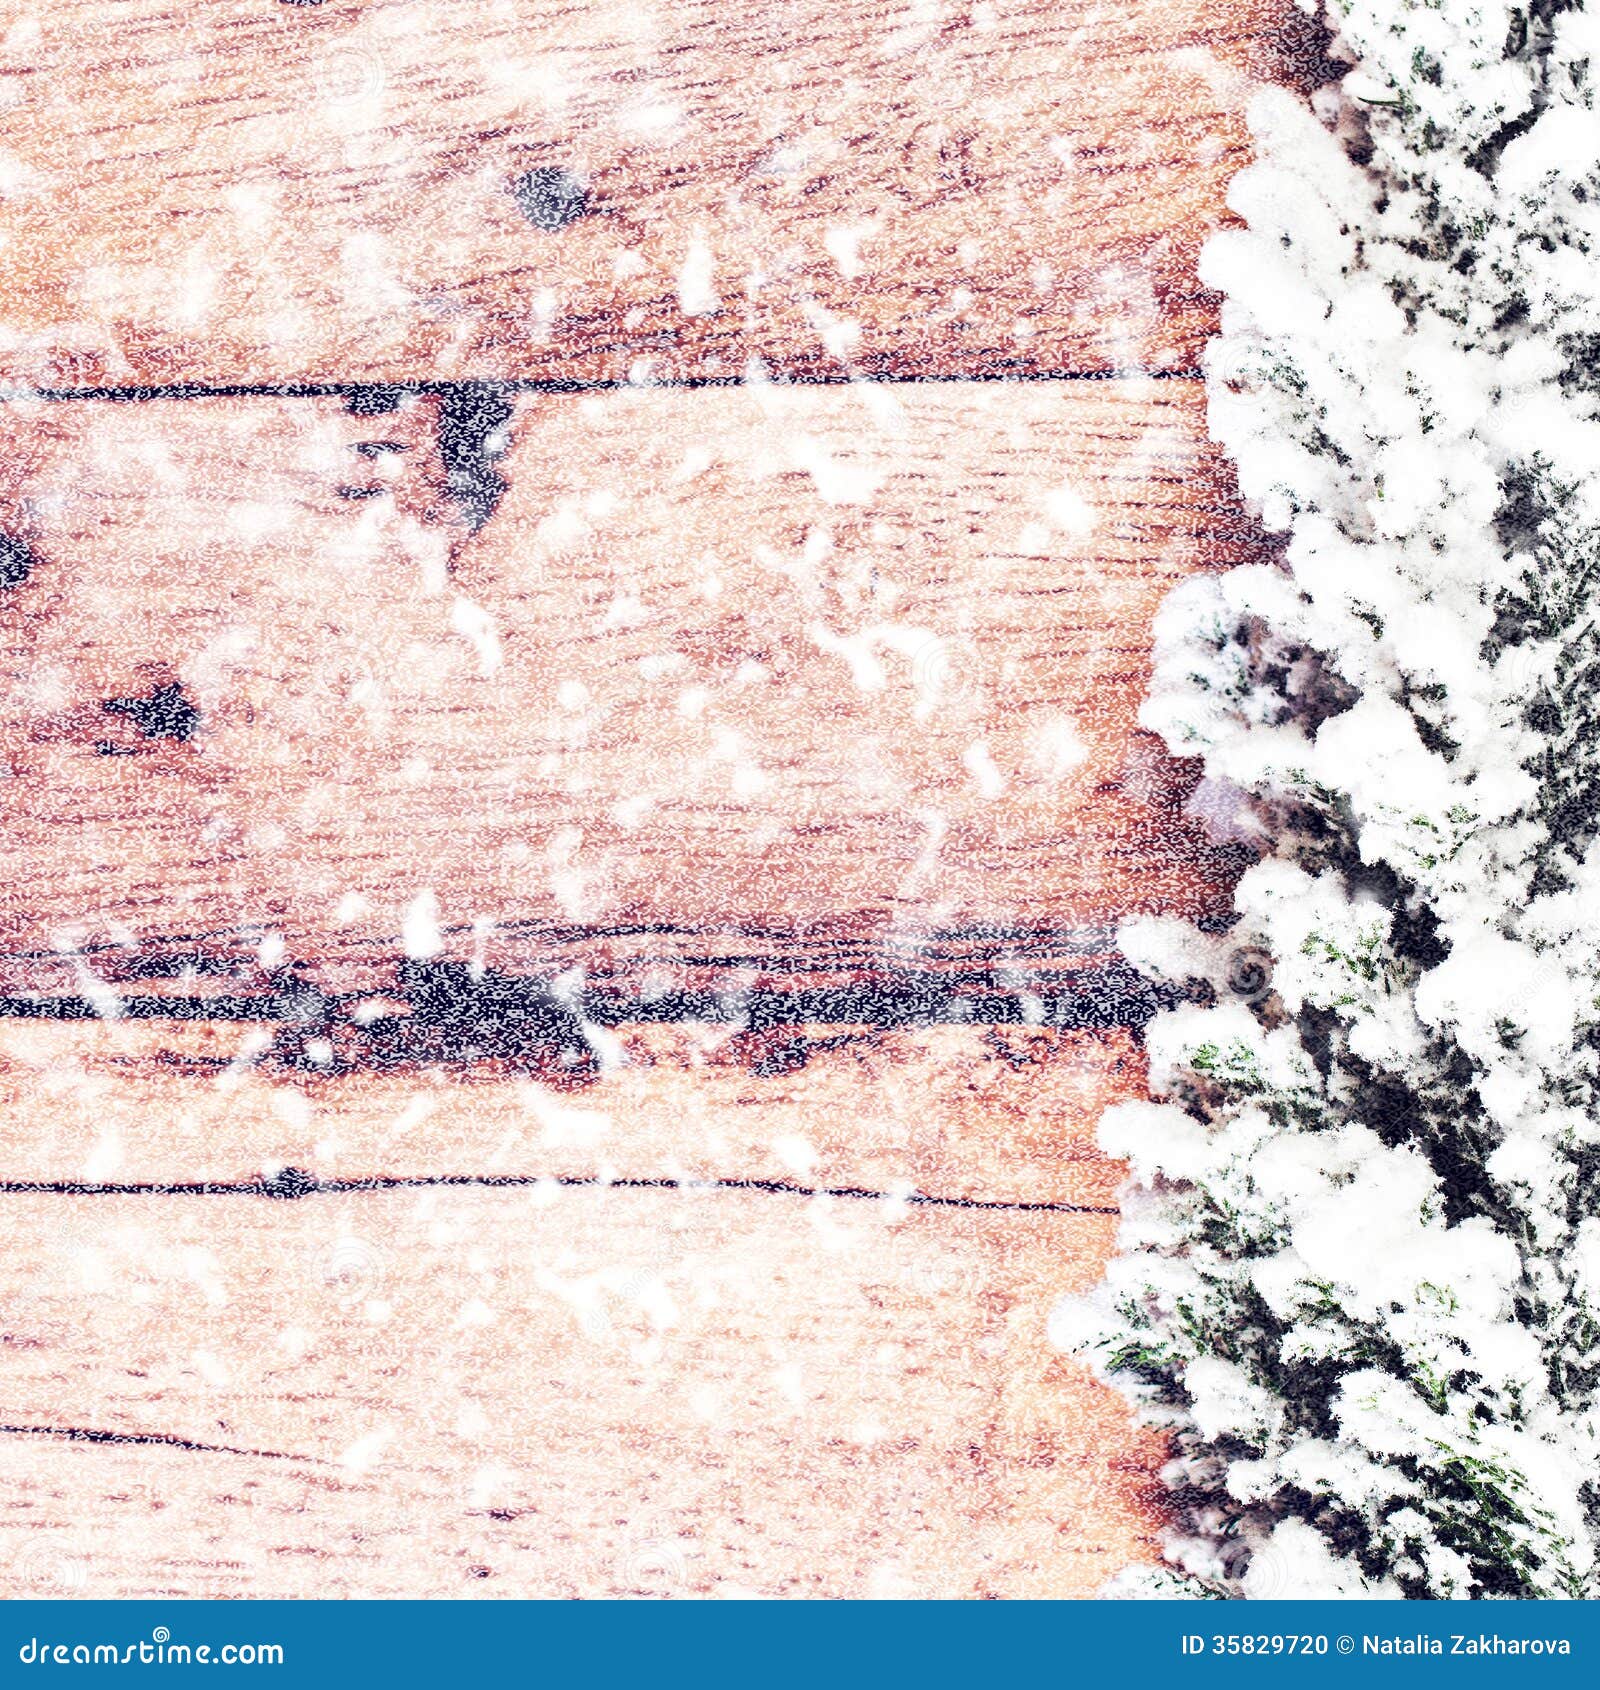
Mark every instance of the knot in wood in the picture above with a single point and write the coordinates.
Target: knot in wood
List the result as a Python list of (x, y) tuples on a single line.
[(549, 197)]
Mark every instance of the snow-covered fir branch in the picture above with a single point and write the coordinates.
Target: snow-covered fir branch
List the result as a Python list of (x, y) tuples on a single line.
[(1359, 1276)]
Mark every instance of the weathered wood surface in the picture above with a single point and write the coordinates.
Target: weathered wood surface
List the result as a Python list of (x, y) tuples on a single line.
[(549, 1389), (621, 1393), (756, 1308), (738, 688), (966, 1114), (243, 191), (725, 666)]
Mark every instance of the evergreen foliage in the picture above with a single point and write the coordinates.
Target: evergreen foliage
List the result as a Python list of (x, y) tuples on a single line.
[(1359, 1276)]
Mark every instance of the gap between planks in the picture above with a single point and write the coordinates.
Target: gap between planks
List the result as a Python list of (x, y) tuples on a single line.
[(291, 1184), (556, 385)]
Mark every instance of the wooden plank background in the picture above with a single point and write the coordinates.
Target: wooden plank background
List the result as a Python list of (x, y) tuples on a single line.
[(240, 191), (567, 732), (764, 662), (691, 1332), (622, 1392), (978, 1114)]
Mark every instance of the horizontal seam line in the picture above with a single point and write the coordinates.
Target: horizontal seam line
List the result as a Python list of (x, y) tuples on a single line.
[(169, 1440), (556, 384), (1086, 999), (306, 1186)]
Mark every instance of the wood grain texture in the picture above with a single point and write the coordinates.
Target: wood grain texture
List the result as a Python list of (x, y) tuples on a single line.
[(962, 1114), (239, 191), (468, 1392), (723, 667), (669, 696), (779, 1371)]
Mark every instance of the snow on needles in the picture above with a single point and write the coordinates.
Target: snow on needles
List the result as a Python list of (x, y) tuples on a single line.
[(1357, 1277)]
